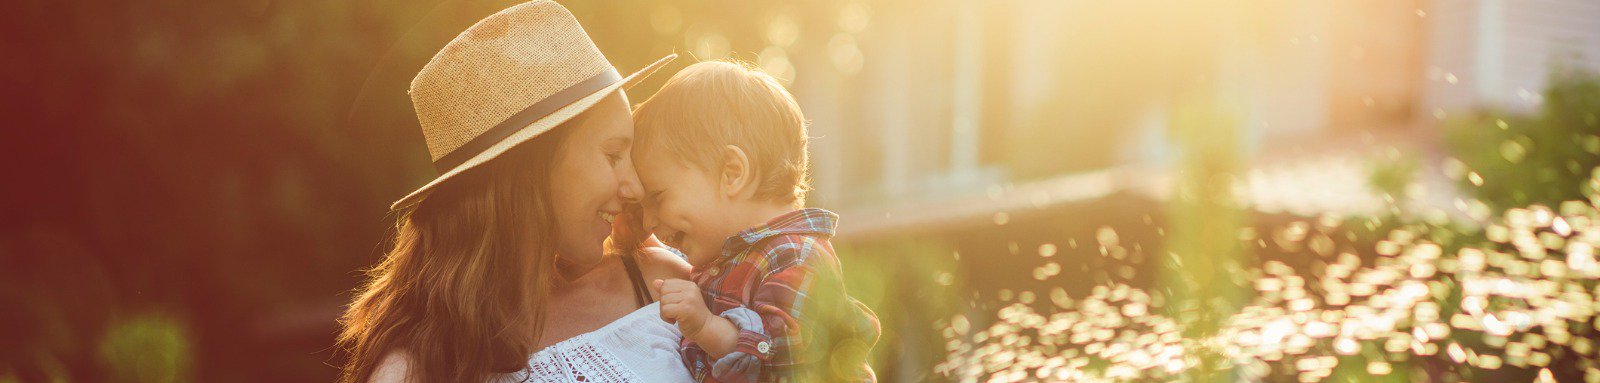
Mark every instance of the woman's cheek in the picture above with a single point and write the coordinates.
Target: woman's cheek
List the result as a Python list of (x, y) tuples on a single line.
[(603, 177)]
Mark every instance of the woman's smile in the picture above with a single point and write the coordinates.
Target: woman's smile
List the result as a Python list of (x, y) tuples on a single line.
[(603, 226)]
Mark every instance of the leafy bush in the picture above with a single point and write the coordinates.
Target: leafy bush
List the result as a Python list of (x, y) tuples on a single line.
[(1545, 158)]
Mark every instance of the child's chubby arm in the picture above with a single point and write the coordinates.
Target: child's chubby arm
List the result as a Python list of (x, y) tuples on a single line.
[(763, 333), (682, 304)]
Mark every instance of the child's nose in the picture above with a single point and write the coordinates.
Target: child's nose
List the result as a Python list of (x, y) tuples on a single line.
[(649, 218)]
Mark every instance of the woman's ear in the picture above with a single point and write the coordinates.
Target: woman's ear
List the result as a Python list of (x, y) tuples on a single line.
[(736, 175)]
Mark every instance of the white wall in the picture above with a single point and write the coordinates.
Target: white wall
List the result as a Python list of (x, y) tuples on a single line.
[(1500, 52)]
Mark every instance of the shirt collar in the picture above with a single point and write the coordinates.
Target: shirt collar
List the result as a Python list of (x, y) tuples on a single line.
[(808, 221)]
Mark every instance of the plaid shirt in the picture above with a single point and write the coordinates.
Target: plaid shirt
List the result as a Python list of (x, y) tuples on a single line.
[(786, 272)]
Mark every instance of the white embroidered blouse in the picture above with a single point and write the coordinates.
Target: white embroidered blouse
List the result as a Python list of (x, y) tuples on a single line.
[(639, 347)]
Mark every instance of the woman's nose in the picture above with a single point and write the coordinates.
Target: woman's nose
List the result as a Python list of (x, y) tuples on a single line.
[(628, 183)]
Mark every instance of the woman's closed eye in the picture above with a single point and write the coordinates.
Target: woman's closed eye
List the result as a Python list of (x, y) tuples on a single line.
[(615, 149)]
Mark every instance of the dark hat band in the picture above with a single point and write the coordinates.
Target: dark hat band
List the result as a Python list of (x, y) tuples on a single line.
[(527, 116)]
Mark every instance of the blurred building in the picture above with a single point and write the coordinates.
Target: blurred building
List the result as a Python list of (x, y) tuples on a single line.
[(1498, 54), (942, 113), (997, 128)]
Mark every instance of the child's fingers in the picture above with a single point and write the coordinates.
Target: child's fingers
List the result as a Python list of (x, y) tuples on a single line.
[(681, 310), (670, 312), (672, 303), (669, 318), (677, 285), (676, 298), (657, 286)]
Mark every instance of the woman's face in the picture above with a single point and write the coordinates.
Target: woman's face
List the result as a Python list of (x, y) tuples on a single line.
[(590, 178)]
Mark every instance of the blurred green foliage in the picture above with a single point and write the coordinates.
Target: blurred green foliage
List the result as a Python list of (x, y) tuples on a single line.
[(1203, 269), (149, 348), (1506, 161), (1545, 158), (1391, 176), (912, 284)]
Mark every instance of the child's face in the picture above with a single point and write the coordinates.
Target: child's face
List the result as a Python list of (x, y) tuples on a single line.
[(684, 206)]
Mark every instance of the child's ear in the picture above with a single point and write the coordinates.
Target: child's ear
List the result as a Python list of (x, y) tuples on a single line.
[(735, 175)]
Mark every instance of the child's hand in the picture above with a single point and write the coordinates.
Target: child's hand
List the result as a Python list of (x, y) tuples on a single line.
[(682, 304)]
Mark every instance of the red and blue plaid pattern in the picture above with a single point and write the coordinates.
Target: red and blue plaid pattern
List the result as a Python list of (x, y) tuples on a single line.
[(786, 271)]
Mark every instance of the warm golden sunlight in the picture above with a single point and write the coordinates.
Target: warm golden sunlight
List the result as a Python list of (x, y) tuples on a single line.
[(857, 190)]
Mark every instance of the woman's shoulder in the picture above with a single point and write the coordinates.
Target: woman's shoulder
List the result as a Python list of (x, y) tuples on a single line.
[(660, 263), (392, 369)]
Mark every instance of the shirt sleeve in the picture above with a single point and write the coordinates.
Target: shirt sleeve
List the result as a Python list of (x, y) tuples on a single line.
[(773, 322), (744, 363), (779, 300), (807, 314), (770, 321), (741, 365)]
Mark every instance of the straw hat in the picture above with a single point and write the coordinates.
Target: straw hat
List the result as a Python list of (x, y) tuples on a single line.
[(507, 79)]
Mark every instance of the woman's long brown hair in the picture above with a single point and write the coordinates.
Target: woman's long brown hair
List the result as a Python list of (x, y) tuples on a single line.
[(461, 292)]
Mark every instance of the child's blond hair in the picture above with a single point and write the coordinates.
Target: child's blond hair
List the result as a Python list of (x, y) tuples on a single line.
[(715, 103)]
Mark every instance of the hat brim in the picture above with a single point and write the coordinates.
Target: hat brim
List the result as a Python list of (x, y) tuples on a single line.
[(532, 130)]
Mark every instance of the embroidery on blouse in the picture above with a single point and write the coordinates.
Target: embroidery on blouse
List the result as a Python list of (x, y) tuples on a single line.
[(576, 360)]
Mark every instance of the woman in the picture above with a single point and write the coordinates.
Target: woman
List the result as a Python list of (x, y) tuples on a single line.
[(498, 271)]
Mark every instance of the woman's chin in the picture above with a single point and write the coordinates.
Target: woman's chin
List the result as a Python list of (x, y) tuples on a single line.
[(589, 254), (602, 230), (570, 267)]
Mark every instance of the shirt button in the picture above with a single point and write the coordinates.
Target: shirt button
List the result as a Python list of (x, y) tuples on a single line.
[(715, 270), (763, 347)]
